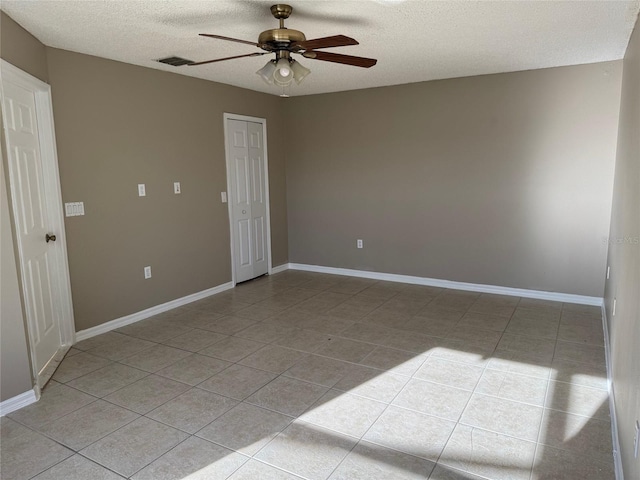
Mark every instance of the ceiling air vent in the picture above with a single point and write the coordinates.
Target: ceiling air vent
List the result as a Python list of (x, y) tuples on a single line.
[(175, 61)]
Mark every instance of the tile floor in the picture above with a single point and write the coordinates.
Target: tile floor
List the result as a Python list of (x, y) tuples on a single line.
[(303, 375)]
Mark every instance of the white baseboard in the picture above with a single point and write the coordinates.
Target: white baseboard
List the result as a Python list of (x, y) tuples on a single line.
[(17, 402), (279, 268), (149, 312), (617, 456), (434, 282)]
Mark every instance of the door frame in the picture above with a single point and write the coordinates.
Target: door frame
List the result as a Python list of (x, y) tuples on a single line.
[(53, 199), (263, 122)]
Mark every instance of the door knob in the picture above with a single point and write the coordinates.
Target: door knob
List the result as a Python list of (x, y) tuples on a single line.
[(50, 238)]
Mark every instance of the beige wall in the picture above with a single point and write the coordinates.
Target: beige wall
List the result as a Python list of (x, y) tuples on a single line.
[(624, 259), (119, 125), (20, 48), (499, 179)]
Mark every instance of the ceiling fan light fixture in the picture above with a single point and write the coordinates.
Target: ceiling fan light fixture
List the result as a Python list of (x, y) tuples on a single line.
[(299, 71), (266, 72), (283, 74)]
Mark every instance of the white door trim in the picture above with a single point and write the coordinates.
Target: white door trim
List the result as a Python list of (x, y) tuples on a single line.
[(53, 196), (263, 122)]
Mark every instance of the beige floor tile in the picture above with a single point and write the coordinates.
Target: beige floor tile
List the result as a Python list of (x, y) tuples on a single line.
[(10, 429), (535, 304), (578, 399), (98, 340), (193, 369), (368, 461), (229, 325), (57, 400), (192, 410), (264, 332), (581, 435), (347, 350), (523, 363), (367, 333), (254, 469), (344, 413), (237, 382), (317, 451), (541, 347), (202, 320), (405, 305), (273, 358), (554, 464), (461, 352), (287, 396), (155, 358), (325, 324), (429, 326), (322, 303), (257, 312), (538, 327), (590, 334), (304, 340), (125, 347), (503, 416), (88, 424), (195, 459), (475, 336), (485, 321), (488, 454), (194, 340), (28, 454), (493, 309), (512, 386), (594, 376), (459, 375), (416, 343), (351, 285), (434, 399), (590, 354), (389, 318), (394, 361), (78, 365), (411, 432), (321, 370), (245, 428), (372, 383), (443, 472), (77, 468), (135, 445), (232, 349), (442, 312), (108, 379), (154, 331), (146, 394)]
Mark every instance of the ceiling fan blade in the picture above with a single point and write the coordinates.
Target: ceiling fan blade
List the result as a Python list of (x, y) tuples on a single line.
[(220, 37), (255, 54), (338, 58), (325, 42)]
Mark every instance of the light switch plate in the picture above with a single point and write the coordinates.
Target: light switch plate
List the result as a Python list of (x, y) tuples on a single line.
[(223, 196), (142, 192), (147, 272), (74, 209), (176, 187)]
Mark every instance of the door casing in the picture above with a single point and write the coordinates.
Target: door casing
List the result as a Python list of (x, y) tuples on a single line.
[(263, 122), (53, 198)]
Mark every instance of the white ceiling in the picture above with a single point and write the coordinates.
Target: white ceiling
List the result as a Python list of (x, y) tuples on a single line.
[(413, 40)]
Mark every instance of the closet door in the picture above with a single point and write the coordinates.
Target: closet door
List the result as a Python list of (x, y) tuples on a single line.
[(247, 197)]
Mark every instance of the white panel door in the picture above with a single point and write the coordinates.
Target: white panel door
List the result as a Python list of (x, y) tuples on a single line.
[(247, 177), (32, 223)]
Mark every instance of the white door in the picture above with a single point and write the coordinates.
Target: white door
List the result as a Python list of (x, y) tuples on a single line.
[(39, 237), (247, 197)]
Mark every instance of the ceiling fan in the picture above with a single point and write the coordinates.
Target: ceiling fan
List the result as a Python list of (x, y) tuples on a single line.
[(282, 42)]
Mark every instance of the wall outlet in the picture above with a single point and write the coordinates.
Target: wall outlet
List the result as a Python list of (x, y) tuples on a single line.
[(147, 272), (142, 192), (613, 313), (608, 272), (359, 243), (636, 440), (223, 197), (176, 188)]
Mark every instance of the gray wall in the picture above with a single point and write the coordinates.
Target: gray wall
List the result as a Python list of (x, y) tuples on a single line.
[(499, 179), (20, 48), (624, 260), (118, 125)]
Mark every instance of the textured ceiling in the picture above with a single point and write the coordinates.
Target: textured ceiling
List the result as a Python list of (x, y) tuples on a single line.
[(412, 40)]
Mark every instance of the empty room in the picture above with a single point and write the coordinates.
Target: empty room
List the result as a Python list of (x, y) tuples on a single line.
[(373, 239)]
